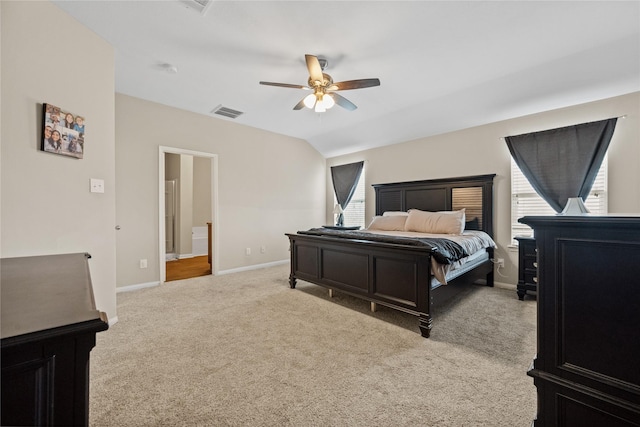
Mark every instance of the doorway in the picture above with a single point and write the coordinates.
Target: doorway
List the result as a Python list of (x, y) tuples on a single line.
[(172, 238)]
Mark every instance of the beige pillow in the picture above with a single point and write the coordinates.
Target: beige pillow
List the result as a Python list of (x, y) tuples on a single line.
[(395, 213), (388, 223), (443, 222)]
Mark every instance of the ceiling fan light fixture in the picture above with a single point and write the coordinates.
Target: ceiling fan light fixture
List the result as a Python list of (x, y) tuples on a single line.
[(328, 101), (310, 100)]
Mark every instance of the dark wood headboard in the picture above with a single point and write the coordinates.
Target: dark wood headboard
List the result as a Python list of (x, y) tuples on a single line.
[(474, 193)]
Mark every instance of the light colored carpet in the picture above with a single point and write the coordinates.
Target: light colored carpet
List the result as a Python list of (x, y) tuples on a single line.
[(246, 350)]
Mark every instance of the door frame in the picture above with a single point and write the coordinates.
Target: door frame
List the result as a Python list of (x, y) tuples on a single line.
[(162, 150)]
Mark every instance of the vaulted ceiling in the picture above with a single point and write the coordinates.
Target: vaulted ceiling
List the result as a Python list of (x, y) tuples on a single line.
[(443, 65)]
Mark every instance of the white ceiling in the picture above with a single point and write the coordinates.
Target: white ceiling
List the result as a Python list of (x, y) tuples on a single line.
[(443, 65)]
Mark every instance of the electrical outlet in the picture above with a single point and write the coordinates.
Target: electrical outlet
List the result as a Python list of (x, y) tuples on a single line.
[(97, 185), (263, 249), (143, 263), (500, 262), (247, 251)]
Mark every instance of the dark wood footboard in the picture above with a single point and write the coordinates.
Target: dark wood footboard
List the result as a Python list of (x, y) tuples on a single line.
[(395, 276), (391, 275)]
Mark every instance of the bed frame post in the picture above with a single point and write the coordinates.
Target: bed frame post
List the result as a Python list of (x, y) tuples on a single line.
[(423, 293), (425, 324), (292, 277), (490, 279), (490, 273)]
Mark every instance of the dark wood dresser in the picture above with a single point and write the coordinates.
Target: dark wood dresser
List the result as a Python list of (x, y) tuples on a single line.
[(49, 323), (587, 370), (527, 266)]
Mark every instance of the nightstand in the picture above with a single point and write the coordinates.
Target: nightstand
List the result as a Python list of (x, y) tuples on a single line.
[(527, 266)]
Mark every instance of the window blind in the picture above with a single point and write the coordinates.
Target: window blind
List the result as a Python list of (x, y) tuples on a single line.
[(354, 213), (525, 201), (469, 198)]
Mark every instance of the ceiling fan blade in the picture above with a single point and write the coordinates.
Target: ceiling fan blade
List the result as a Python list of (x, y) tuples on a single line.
[(285, 85), (315, 70), (343, 102), (354, 84), (300, 105)]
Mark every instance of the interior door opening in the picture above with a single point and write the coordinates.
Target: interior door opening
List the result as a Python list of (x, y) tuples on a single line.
[(187, 213)]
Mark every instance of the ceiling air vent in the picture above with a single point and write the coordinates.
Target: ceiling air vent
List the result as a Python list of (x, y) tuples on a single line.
[(227, 112), (201, 6)]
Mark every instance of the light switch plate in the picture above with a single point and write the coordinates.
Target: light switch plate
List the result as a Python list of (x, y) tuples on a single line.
[(97, 185)]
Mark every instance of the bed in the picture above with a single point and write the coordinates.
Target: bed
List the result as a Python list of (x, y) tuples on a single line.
[(392, 272)]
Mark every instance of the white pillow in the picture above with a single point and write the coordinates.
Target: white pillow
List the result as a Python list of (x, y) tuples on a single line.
[(395, 213), (443, 222), (388, 223)]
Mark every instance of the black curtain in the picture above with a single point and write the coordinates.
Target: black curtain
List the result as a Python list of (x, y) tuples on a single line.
[(345, 180), (562, 163)]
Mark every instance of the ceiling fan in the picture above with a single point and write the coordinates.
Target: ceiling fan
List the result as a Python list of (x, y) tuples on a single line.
[(324, 94)]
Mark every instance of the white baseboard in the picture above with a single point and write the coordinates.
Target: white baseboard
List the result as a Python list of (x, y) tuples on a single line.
[(112, 321), (136, 287), (252, 267), (504, 285), (193, 255), (500, 285), (139, 286)]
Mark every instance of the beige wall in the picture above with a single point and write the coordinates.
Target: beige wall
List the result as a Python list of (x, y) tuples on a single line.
[(46, 204), (268, 185), (481, 150)]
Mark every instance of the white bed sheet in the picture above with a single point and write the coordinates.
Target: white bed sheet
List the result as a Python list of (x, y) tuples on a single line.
[(474, 243)]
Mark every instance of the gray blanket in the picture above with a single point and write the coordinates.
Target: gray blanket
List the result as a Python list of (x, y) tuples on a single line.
[(444, 251)]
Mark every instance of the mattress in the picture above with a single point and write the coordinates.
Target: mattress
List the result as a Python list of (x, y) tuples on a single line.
[(474, 243)]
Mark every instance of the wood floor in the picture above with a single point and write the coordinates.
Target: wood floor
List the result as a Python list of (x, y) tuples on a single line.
[(187, 268)]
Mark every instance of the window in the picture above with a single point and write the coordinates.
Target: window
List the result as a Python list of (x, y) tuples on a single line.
[(525, 201), (354, 213)]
